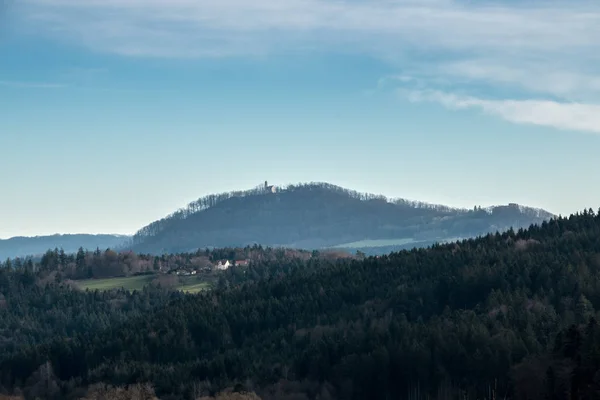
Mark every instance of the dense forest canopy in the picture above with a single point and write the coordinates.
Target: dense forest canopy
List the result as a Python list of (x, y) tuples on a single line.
[(213, 200), (321, 215), (85, 264), (507, 315)]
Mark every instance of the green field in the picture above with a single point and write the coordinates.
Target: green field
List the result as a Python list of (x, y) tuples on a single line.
[(187, 284), (375, 243), (129, 283), (193, 286)]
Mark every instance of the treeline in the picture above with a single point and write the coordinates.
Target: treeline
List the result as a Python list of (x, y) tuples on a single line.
[(353, 194), (57, 265), (502, 316), (320, 216), (202, 203), (212, 200), (38, 301), (34, 310)]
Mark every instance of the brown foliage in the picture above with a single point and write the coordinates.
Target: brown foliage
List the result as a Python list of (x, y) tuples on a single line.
[(50, 278), (166, 281), (332, 255), (296, 390), (200, 262), (529, 379), (525, 244), (229, 395), (133, 392)]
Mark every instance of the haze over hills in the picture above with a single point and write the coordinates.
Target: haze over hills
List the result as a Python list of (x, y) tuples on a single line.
[(321, 215), (32, 246), (308, 216)]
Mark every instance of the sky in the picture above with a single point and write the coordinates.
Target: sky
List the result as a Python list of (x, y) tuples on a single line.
[(114, 113)]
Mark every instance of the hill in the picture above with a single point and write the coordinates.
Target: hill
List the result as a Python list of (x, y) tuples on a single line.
[(35, 246), (320, 215), (510, 315)]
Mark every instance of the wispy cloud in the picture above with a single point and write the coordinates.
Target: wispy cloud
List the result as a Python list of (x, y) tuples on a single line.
[(551, 94), (555, 78), (32, 85), (570, 116), (211, 27), (536, 62)]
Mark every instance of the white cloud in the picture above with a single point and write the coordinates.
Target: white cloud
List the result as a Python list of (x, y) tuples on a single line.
[(551, 94), (537, 60), (213, 27), (551, 77), (570, 116)]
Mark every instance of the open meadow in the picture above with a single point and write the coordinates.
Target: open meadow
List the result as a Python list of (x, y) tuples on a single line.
[(376, 243), (192, 284)]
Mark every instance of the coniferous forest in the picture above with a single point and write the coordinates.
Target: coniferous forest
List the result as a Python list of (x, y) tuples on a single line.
[(509, 315)]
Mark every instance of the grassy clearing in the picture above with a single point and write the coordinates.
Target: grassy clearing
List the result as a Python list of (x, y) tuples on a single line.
[(194, 287), (376, 243), (186, 284), (129, 283)]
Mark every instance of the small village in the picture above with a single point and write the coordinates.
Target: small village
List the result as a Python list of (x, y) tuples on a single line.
[(220, 265)]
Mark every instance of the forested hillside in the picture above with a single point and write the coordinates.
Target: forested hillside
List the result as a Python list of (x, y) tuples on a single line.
[(321, 215), (58, 265), (511, 315), (308, 216)]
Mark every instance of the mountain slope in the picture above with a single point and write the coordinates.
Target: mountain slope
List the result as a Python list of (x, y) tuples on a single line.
[(33, 246), (320, 215)]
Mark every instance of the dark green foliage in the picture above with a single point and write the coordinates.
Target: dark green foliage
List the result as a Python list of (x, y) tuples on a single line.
[(510, 314), (33, 311), (56, 265), (317, 216)]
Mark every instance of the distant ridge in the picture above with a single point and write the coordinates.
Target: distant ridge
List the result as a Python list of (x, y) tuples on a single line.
[(212, 200), (313, 215), (321, 215), (22, 246)]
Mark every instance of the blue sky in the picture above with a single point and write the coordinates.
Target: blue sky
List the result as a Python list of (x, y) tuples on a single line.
[(114, 113)]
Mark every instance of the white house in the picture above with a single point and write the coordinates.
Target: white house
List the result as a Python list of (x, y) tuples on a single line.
[(223, 265)]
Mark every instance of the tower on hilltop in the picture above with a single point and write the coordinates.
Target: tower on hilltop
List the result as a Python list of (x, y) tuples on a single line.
[(271, 188)]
